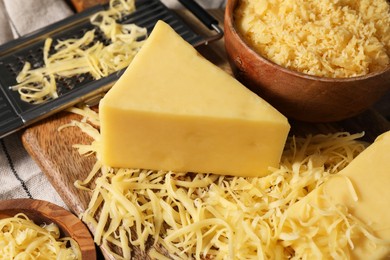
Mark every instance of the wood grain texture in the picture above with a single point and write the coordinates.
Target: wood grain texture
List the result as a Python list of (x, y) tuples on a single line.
[(43, 212), (54, 153), (61, 163)]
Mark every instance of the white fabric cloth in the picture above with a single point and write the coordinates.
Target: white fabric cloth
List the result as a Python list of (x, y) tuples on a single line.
[(5, 27), (20, 177), (28, 16)]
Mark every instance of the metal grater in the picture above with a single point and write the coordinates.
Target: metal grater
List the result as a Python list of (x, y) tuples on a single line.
[(16, 114)]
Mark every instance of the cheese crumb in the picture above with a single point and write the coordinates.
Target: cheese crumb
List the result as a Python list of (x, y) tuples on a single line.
[(327, 38)]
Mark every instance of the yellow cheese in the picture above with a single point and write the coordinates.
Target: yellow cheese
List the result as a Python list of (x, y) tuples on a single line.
[(363, 188), (21, 238), (86, 55), (174, 110), (337, 39)]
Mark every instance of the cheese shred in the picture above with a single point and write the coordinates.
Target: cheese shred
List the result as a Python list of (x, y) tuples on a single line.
[(206, 216), (327, 38), (21, 238), (86, 55)]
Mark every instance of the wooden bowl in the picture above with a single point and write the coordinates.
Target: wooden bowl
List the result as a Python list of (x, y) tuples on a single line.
[(297, 95), (45, 212)]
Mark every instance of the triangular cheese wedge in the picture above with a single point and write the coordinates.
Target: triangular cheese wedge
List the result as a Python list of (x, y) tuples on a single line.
[(364, 188), (174, 110)]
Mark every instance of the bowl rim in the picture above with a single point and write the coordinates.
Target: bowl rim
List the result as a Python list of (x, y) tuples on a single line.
[(68, 223), (229, 22)]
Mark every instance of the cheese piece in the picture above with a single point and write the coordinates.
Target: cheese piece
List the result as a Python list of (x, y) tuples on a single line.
[(363, 187), (86, 55), (174, 110), (21, 238), (338, 39)]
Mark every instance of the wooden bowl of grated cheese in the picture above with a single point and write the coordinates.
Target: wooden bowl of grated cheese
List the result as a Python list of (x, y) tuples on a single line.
[(310, 65), (32, 229)]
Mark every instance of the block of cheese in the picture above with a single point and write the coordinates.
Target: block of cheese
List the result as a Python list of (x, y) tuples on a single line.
[(364, 188), (174, 110)]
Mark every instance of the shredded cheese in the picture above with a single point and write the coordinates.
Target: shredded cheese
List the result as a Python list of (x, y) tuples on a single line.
[(206, 216), (326, 38), (324, 233), (85, 55), (21, 238)]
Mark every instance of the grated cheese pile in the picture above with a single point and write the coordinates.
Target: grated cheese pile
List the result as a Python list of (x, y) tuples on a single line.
[(325, 233), (205, 216), (21, 238), (327, 38), (73, 57)]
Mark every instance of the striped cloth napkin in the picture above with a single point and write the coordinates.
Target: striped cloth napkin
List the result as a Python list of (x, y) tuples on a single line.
[(20, 177)]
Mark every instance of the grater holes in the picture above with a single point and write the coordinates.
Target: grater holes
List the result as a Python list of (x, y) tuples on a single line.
[(99, 36), (39, 53), (10, 68), (83, 31), (34, 57), (37, 64), (60, 39), (66, 84), (20, 60), (14, 66), (86, 77)]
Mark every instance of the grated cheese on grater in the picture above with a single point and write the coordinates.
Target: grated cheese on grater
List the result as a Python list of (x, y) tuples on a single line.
[(78, 56), (327, 38)]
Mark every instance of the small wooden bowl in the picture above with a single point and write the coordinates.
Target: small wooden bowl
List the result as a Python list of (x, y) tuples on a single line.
[(41, 212), (297, 95)]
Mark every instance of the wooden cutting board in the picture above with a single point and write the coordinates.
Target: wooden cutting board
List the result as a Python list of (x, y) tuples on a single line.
[(61, 163)]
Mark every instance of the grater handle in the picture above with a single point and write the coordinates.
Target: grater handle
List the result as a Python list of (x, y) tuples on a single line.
[(200, 13)]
